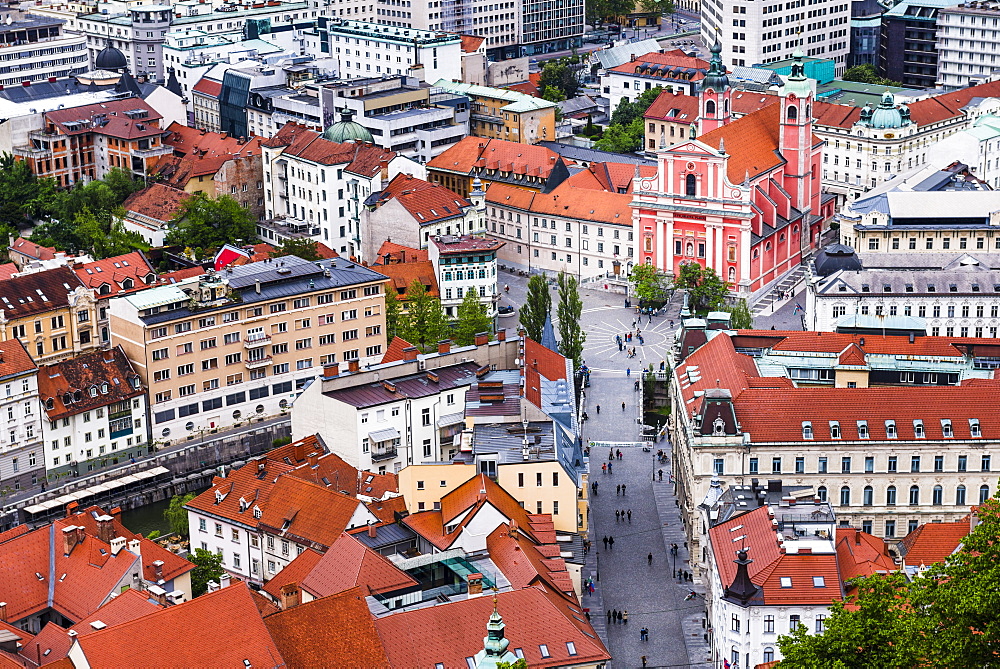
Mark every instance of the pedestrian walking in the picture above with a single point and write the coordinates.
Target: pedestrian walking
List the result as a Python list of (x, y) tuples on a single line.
[(605, 543), (643, 658), (630, 516), (604, 468), (636, 385), (661, 474), (618, 489), (620, 457), (618, 617), (617, 516), (644, 634), (625, 617), (623, 406), (611, 543), (623, 489), (609, 468), (649, 559), (609, 616), (663, 365), (598, 409)]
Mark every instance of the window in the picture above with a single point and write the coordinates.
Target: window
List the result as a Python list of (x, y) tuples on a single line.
[(776, 465), (862, 429), (768, 624), (822, 465), (869, 464), (984, 493), (891, 464), (960, 495), (845, 465), (834, 430), (946, 430), (820, 619), (718, 466), (754, 466), (736, 622), (985, 465), (794, 621), (800, 465), (963, 463), (769, 654), (890, 529), (845, 496), (937, 496), (867, 496), (915, 463), (807, 430), (939, 463), (821, 493), (914, 495), (690, 185), (890, 496)]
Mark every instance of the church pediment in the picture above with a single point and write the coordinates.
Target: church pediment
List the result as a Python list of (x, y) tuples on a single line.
[(693, 147)]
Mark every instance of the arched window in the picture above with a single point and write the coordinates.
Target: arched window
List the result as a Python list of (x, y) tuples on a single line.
[(725, 106), (807, 110), (845, 496), (868, 494), (792, 113), (821, 493), (890, 496), (937, 496), (732, 275), (984, 493), (710, 108), (691, 185), (767, 247), (914, 495), (960, 495), (782, 237), (769, 654)]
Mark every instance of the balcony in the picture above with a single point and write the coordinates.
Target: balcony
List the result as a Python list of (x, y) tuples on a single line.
[(253, 341), (153, 152), (260, 362), (385, 454), (31, 152)]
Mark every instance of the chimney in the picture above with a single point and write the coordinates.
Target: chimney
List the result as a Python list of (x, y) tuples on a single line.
[(313, 459), (482, 338), (224, 580), (81, 533), (331, 371), (133, 547), (353, 366), (105, 528), (502, 335), (212, 586), (117, 544), (158, 570), (409, 353), (158, 593), (69, 539), (299, 451), (372, 531), (475, 584), (3, 611), (857, 537), (289, 596), (444, 346)]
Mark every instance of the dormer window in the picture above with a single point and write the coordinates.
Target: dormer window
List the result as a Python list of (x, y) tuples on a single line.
[(909, 287), (890, 429), (865, 288), (834, 429), (49, 403), (974, 428), (918, 429), (219, 497), (93, 391), (946, 428), (931, 288), (256, 512), (886, 288), (807, 430), (862, 429), (718, 428), (952, 288)]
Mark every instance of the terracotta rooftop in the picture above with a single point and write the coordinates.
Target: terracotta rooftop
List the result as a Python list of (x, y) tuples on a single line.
[(540, 362), (674, 107), (608, 177), (128, 272), (566, 200), (931, 543), (307, 512), (86, 382), (293, 573), (360, 158), (31, 250), (208, 87), (223, 625), (524, 564), (471, 43), (38, 292), (200, 153), (861, 554), (529, 87), (386, 509), (335, 631), (128, 118), (252, 483), (402, 274), (333, 472), (348, 564), (426, 202), (394, 351), (159, 202), (401, 253), (496, 154), (752, 143), (14, 359)]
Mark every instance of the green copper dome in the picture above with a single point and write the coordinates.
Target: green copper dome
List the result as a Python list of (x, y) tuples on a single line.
[(887, 114), (716, 77), (798, 82), (347, 130)]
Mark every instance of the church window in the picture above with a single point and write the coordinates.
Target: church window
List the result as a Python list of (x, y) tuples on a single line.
[(690, 185), (792, 113), (710, 108)]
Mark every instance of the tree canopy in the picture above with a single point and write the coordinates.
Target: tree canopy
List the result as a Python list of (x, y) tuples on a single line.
[(302, 247), (393, 311), (423, 323), (176, 516), (706, 290), (473, 318), (570, 308), (560, 75), (658, 6), (208, 567), (649, 285), (609, 10), (203, 223), (866, 74), (740, 317), (536, 308), (626, 132), (944, 617), (23, 196)]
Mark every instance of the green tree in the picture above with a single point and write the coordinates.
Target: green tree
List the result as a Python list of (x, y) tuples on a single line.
[(23, 196), (706, 290), (393, 311), (945, 617), (866, 74), (536, 308), (553, 94), (568, 312), (658, 6), (176, 515), (561, 76), (206, 223), (303, 247), (622, 138), (740, 317), (649, 285), (614, 11), (105, 236), (473, 318), (208, 567), (519, 663), (424, 324)]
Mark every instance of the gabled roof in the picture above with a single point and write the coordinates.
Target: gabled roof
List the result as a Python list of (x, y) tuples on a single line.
[(931, 543), (102, 378), (307, 512), (349, 564), (540, 363), (400, 253), (115, 270), (524, 564), (109, 118), (159, 202), (402, 274), (752, 143), (252, 483), (609, 177), (201, 153), (14, 359), (31, 250), (360, 158), (449, 633), (566, 200), (852, 356), (482, 488), (333, 472), (223, 626), (497, 154), (294, 573), (208, 87), (673, 106), (861, 554), (394, 351), (426, 202), (471, 43), (38, 292), (673, 64), (335, 631), (386, 509)]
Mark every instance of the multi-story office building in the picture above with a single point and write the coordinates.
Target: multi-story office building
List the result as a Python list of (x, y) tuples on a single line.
[(768, 32), (547, 27), (35, 48), (52, 313), (95, 412), (499, 113), (908, 49), (889, 430), (22, 461), (225, 348), (866, 27), (967, 43)]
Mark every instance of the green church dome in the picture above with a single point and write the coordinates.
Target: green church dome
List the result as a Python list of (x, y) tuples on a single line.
[(887, 114), (347, 130)]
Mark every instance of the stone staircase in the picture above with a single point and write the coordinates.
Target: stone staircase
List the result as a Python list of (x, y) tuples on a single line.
[(764, 299)]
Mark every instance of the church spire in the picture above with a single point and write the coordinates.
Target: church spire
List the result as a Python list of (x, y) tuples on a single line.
[(495, 644), (742, 589), (716, 77), (714, 93)]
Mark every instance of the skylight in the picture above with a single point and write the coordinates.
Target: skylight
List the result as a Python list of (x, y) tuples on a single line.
[(819, 582), (786, 581)]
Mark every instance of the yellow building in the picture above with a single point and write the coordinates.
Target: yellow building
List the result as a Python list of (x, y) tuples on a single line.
[(498, 113), (52, 313)]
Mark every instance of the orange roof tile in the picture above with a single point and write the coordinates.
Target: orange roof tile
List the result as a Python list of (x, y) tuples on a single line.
[(332, 471), (513, 157), (31, 250), (524, 565), (102, 378), (861, 554), (753, 143), (348, 564), (8, 269), (385, 510), (540, 362), (426, 202), (115, 121), (673, 106), (398, 252), (254, 483), (189, 634), (200, 153), (294, 573), (20, 296), (114, 272), (566, 200), (394, 351), (529, 87), (676, 61), (181, 274), (610, 177), (482, 489), (402, 274), (346, 637), (360, 158), (208, 87), (471, 43), (14, 359), (428, 524), (852, 355), (447, 634), (307, 512), (159, 202), (931, 543)]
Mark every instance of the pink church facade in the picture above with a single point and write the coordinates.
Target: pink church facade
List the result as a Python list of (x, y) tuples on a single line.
[(744, 197)]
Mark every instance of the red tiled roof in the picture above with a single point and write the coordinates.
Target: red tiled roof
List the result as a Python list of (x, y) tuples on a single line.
[(159, 202), (524, 565), (294, 573), (385, 510), (675, 59), (852, 355), (335, 631), (471, 43), (540, 362), (31, 250), (835, 342), (478, 490), (609, 177), (949, 105), (333, 472), (566, 200), (861, 554), (208, 87), (307, 512), (250, 482), (199, 153), (348, 564), (447, 634), (402, 274), (20, 296), (14, 359), (400, 252), (753, 143), (530, 159), (394, 351), (360, 158), (17, 530), (529, 87), (425, 201), (181, 274), (428, 524), (114, 271), (934, 542), (117, 124), (221, 629), (102, 378), (7, 270), (673, 106)]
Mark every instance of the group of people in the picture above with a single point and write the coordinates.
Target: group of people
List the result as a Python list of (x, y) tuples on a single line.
[(620, 490), (605, 469), (622, 514), (618, 617), (609, 543)]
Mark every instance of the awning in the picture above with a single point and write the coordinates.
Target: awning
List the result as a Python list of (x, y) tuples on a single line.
[(383, 435), (451, 419)]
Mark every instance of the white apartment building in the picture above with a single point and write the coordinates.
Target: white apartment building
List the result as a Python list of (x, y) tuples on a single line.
[(968, 43), (321, 186), (770, 31), (465, 263), (373, 49), (95, 410), (22, 461), (978, 146), (35, 48)]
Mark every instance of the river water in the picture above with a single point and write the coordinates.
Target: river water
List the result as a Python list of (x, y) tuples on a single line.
[(145, 519)]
